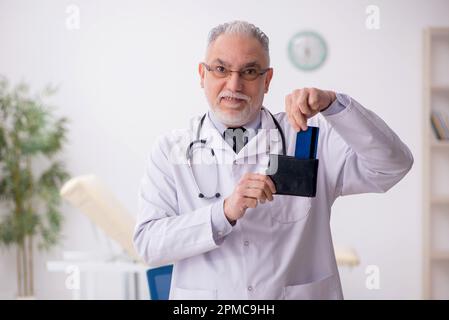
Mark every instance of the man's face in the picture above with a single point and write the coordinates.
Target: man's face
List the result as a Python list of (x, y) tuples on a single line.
[(235, 52)]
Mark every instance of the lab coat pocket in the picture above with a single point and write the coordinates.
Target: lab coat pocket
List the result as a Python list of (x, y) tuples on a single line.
[(324, 289), (193, 294), (289, 209)]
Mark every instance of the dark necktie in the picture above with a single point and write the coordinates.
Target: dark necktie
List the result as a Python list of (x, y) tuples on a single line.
[(237, 136)]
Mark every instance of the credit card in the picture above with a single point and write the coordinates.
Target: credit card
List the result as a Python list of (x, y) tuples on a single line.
[(307, 143)]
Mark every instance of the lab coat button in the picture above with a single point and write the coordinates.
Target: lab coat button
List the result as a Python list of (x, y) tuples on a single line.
[(246, 243), (250, 288)]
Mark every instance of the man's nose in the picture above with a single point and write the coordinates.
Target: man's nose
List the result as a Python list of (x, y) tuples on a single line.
[(234, 82)]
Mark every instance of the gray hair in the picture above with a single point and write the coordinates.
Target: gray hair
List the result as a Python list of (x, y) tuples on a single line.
[(240, 28)]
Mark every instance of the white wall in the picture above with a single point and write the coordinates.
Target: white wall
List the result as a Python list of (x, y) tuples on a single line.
[(130, 73)]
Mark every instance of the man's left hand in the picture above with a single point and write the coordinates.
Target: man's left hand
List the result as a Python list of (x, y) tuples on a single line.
[(304, 103)]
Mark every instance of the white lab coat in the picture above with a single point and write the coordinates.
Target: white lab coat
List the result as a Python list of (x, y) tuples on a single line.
[(281, 249)]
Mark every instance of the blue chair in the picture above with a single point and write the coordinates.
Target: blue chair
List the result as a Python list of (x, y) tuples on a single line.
[(159, 280)]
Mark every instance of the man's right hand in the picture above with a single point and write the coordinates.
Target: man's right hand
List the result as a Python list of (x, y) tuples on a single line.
[(251, 188)]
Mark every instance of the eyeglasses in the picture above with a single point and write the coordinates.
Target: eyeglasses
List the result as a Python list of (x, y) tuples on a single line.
[(249, 74)]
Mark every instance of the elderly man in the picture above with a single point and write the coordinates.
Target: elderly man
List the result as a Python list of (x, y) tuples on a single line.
[(223, 227)]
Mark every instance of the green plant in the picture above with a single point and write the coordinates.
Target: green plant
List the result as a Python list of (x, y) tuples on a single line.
[(30, 138)]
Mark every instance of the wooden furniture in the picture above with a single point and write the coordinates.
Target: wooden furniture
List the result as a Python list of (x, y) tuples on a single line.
[(435, 166)]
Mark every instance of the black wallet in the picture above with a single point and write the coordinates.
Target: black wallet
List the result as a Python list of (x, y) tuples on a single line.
[(292, 176)]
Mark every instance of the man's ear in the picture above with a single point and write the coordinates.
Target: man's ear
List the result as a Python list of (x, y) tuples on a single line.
[(268, 79), (201, 72)]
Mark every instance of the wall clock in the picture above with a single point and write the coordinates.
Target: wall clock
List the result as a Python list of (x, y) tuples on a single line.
[(307, 50)]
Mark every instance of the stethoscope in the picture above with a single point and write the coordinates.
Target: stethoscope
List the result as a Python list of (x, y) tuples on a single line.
[(202, 143)]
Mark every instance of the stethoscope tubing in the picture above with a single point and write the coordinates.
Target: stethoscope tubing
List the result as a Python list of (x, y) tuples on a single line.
[(189, 154)]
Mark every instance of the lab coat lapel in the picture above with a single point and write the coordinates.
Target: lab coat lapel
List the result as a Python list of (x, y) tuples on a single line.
[(267, 140), (213, 137)]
